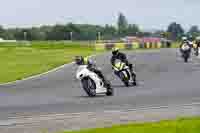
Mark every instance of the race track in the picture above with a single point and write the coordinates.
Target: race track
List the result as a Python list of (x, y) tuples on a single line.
[(164, 80)]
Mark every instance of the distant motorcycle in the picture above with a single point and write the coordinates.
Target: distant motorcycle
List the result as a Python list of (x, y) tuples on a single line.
[(185, 50), (91, 82), (196, 50), (123, 72)]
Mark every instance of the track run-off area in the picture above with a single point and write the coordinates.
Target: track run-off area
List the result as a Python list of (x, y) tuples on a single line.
[(167, 88)]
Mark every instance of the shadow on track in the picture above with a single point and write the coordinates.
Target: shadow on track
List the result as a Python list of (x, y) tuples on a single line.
[(87, 97)]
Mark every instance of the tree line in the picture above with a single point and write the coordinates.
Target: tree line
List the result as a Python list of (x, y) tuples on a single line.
[(72, 31)]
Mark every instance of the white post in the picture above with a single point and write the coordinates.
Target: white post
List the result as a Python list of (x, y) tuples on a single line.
[(99, 36), (71, 36), (25, 34)]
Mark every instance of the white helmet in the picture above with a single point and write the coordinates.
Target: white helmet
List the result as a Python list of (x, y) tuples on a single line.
[(184, 38)]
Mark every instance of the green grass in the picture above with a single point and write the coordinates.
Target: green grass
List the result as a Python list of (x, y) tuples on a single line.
[(19, 60), (190, 125)]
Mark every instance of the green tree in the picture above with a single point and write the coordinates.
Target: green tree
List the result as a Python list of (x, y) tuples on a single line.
[(109, 32), (8, 35), (89, 32), (58, 32), (2, 31), (132, 30), (194, 31), (175, 30), (18, 33), (35, 34), (70, 27), (122, 24)]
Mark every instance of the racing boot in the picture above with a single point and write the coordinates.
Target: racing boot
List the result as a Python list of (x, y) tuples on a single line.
[(134, 78), (107, 85), (133, 74)]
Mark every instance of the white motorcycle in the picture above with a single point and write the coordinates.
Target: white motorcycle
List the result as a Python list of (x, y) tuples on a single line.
[(91, 82), (185, 50), (123, 72)]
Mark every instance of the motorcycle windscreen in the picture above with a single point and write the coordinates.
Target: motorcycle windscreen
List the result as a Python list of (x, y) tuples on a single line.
[(119, 65)]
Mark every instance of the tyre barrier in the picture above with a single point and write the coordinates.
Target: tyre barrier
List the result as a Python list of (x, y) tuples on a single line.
[(109, 46), (129, 46)]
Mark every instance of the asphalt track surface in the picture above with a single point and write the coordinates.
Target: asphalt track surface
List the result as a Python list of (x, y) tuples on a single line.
[(163, 80)]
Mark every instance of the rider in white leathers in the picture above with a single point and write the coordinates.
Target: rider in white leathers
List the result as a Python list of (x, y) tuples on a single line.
[(80, 60)]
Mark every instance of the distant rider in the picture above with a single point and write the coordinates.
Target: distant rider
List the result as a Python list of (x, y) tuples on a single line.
[(197, 41), (116, 55), (196, 45), (190, 41), (80, 60), (185, 41)]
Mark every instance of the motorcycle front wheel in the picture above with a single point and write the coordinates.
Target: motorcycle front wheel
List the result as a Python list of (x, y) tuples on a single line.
[(124, 79), (89, 86)]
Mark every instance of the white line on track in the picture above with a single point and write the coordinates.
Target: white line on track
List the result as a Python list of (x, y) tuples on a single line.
[(36, 76)]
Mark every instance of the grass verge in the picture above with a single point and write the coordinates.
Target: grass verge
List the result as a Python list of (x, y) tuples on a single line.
[(189, 125), (20, 61)]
